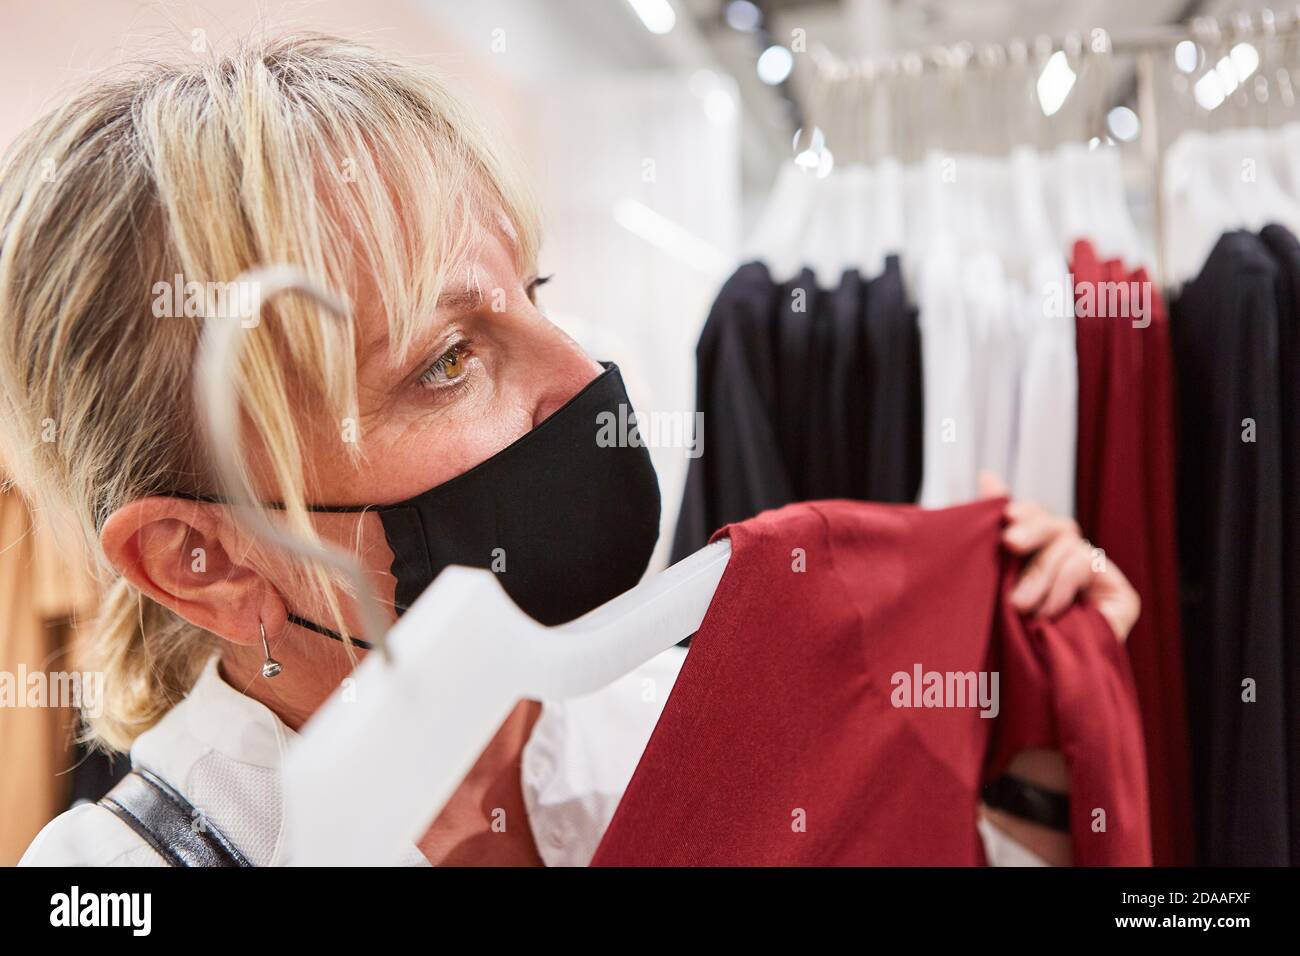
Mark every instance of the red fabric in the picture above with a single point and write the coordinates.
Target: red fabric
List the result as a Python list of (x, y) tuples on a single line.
[(784, 706), (1125, 505)]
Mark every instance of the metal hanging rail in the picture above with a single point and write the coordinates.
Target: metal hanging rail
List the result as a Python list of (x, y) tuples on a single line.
[(1148, 46)]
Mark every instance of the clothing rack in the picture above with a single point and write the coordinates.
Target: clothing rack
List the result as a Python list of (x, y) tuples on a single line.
[(1148, 46)]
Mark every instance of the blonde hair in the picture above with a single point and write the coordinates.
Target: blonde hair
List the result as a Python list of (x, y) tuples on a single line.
[(306, 150)]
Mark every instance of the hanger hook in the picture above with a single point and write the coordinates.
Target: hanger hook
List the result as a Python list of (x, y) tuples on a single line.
[(218, 351)]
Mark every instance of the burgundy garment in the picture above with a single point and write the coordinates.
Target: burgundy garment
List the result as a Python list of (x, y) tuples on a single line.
[(784, 714), (1125, 502)]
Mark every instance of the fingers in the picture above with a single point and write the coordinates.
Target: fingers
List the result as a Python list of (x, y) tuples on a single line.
[(1075, 576), (1062, 569), (1061, 566), (1039, 578), (1116, 599), (1032, 528)]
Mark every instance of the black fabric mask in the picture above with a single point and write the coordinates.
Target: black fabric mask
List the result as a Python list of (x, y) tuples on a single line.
[(567, 521)]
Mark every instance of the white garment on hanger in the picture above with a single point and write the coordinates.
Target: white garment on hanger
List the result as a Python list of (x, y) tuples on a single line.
[(778, 239), (950, 428), (994, 344), (1129, 245), (1047, 388), (1047, 423), (1203, 199), (997, 331), (582, 754)]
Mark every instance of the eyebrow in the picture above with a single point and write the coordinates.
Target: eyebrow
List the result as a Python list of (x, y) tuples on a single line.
[(459, 300), (451, 302)]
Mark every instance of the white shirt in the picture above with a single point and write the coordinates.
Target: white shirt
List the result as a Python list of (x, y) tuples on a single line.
[(1000, 376), (222, 751)]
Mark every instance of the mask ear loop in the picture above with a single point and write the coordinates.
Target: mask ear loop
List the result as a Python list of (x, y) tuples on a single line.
[(218, 351)]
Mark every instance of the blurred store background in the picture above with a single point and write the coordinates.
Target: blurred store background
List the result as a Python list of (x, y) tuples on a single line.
[(656, 131)]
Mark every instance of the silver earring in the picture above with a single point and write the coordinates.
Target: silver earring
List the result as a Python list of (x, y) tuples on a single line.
[(270, 667)]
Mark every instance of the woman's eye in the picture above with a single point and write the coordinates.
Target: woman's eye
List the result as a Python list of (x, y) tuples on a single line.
[(448, 368), (535, 285)]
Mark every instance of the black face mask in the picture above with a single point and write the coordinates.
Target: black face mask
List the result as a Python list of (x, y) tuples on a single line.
[(567, 520)]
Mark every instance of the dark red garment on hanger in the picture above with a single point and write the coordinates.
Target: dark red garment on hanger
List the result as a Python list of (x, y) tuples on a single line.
[(1125, 502), (781, 742)]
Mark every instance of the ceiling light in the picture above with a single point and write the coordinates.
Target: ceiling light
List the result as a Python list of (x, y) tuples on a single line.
[(1124, 124), (775, 64), (743, 16), (1209, 91), (658, 16), (1229, 73), (1245, 59), (1055, 83)]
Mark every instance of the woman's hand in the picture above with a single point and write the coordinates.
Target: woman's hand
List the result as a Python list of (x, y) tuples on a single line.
[(1062, 565)]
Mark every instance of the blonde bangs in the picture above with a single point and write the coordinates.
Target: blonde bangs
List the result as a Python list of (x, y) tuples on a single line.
[(363, 172), (360, 170)]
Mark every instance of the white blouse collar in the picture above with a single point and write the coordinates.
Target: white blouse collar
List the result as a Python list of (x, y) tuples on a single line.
[(222, 750), (233, 723)]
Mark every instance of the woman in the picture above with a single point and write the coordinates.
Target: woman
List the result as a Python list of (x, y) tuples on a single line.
[(367, 175)]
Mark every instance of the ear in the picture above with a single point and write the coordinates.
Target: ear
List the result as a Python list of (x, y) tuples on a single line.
[(189, 556)]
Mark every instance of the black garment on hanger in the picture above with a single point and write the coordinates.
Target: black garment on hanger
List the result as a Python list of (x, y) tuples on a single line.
[(824, 481), (801, 371), (1286, 249), (807, 393), (741, 470), (845, 381), (1225, 338), (894, 383)]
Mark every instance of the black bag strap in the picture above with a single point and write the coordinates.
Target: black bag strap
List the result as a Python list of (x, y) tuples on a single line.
[(169, 823)]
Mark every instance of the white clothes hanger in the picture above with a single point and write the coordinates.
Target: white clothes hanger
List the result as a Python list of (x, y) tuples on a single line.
[(378, 761), (217, 360)]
